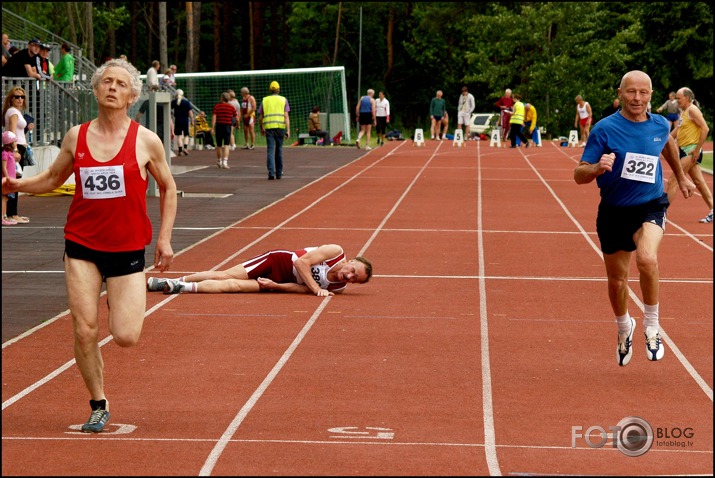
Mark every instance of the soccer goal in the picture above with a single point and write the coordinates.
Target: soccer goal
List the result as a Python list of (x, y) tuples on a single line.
[(304, 88)]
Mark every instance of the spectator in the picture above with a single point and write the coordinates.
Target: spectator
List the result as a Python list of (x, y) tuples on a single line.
[(365, 115), (465, 107), (314, 126), (9, 161), (64, 71), (234, 102), (275, 125), (443, 126), (5, 49), (23, 64), (44, 67), (222, 119), (152, 76), (202, 130), (672, 112), (169, 79), (183, 116), (382, 117), (584, 117), (612, 108), (108, 228), (530, 130), (248, 118), (505, 104), (14, 121), (437, 109), (516, 122)]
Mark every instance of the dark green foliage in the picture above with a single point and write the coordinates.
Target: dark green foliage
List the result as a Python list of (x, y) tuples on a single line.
[(547, 51)]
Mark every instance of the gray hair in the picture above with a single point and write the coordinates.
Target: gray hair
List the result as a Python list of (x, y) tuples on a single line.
[(244, 89), (688, 93), (134, 74)]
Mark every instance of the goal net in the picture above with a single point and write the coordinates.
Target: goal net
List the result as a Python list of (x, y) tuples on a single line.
[(304, 88)]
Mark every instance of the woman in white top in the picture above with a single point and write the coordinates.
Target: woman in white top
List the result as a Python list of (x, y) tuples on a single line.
[(382, 117), (584, 117), (13, 120)]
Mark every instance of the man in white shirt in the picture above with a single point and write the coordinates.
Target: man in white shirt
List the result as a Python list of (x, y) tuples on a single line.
[(152, 76), (465, 106)]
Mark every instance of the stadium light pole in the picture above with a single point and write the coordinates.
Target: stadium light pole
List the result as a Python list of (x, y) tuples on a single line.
[(359, 58)]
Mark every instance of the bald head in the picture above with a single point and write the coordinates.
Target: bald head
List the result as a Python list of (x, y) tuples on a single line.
[(635, 76)]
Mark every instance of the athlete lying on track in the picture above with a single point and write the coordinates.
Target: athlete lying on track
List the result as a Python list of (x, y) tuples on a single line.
[(320, 270)]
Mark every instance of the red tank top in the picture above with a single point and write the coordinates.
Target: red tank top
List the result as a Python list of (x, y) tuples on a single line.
[(108, 212)]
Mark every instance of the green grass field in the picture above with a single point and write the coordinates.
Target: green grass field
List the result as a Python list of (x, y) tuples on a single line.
[(707, 163)]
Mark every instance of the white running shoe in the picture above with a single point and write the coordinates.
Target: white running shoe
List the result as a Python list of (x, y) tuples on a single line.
[(707, 219), (224, 164), (625, 351), (174, 286), (155, 284), (654, 346), (219, 163), (367, 148)]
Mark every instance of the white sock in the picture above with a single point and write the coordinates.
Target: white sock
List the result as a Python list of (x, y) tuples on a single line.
[(190, 286), (624, 323), (651, 316)]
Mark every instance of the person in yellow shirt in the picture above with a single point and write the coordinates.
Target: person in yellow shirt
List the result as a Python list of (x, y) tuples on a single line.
[(530, 124), (516, 122), (203, 130), (691, 131)]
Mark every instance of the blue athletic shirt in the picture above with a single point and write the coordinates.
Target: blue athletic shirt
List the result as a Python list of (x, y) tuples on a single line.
[(365, 105), (637, 175)]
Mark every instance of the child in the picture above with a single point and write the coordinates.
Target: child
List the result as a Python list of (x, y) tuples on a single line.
[(9, 150)]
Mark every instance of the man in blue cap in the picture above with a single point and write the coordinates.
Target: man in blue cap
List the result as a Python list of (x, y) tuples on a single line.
[(23, 64)]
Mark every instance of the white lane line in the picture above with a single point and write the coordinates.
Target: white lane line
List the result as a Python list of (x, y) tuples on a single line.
[(490, 445)]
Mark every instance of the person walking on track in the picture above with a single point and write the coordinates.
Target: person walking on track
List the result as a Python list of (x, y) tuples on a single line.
[(107, 225), (322, 271), (366, 116), (622, 155)]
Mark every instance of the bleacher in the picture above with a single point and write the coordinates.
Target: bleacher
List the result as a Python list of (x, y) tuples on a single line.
[(55, 106)]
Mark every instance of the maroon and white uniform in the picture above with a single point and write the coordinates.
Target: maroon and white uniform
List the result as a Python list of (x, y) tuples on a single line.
[(277, 265)]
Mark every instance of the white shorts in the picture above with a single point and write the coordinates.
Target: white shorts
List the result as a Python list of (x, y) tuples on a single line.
[(463, 118)]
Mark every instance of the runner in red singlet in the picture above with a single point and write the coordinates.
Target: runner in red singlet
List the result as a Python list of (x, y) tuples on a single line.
[(107, 226), (320, 270)]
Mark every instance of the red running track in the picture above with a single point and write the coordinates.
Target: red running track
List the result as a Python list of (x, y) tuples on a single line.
[(481, 344)]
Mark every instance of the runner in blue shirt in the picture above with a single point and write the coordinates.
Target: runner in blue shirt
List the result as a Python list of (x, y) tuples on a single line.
[(622, 155)]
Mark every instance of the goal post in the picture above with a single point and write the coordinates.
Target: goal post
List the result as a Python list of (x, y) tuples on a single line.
[(304, 88)]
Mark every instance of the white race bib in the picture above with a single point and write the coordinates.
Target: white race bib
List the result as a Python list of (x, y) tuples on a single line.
[(102, 182), (640, 167)]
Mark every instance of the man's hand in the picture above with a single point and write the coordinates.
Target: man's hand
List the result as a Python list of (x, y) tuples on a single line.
[(266, 284), (606, 163), (687, 187)]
